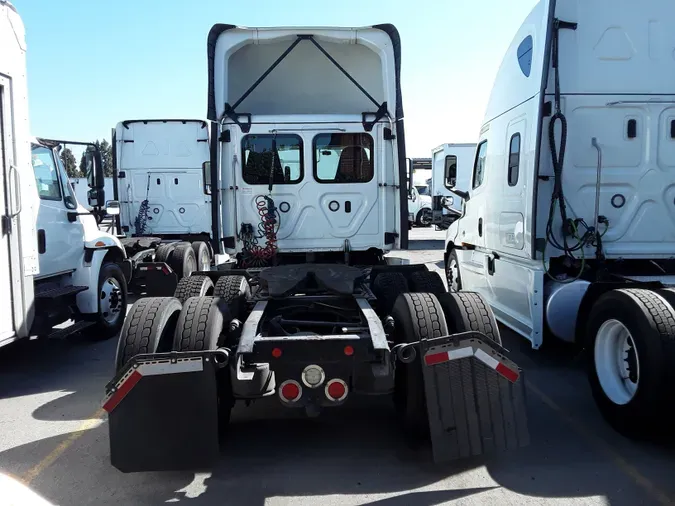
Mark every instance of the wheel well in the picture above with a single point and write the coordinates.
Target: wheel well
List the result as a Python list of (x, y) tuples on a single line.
[(594, 292), (113, 255)]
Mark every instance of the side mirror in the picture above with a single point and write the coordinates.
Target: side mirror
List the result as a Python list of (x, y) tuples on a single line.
[(112, 208), (463, 195), (206, 174), (448, 202), (96, 197), (94, 169)]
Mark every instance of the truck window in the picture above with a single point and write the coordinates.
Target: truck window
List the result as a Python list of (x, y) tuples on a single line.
[(343, 158), (514, 159), (69, 199), (450, 171), (259, 160), (479, 166), (46, 173)]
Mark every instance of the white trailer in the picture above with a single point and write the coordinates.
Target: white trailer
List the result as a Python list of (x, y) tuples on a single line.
[(568, 223), (165, 203), (445, 160), (55, 264)]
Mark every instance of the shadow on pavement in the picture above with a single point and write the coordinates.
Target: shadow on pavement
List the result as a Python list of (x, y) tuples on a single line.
[(342, 458)]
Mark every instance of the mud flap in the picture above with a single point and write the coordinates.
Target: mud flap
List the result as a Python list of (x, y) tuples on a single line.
[(163, 413), (475, 397)]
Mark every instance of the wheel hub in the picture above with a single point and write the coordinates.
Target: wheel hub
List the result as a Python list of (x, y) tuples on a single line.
[(617, 362), (111, 300)]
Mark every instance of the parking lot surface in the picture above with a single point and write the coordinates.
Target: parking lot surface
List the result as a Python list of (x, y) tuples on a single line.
[(54, 442)]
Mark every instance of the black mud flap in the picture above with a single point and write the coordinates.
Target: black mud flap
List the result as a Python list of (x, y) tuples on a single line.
[(158, 279), (163, 413), (475, 397)]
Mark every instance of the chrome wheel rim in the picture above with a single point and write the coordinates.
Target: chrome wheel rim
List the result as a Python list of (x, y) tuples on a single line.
[(112, 300)]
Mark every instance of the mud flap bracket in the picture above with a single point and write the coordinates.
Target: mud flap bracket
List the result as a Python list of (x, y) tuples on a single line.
[(475, 397)]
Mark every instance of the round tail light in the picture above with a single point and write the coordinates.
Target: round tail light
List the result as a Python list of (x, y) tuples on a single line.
[(290, 391), (336, 390)]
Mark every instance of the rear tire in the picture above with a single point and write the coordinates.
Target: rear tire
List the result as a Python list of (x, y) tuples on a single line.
[(387, 287), (234, 290), (417, 316), (183, 260), (148, 328), (112, 302), (630, 338), (200, 324), (164, 251), (203, 255), (427, 282), (193, 286), (424, 218), (452, 275), (468, 311)]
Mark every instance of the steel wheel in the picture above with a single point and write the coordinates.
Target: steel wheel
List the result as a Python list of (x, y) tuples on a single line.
[(112, 300), (616, 362), (452, 273)]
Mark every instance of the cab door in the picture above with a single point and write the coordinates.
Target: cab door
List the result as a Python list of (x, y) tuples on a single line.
[(8, 232), (60, 236), (473, 225)]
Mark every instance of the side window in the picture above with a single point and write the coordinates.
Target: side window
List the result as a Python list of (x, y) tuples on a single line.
[(514, 160), (46, 173), (70, 200), (343, 158), (450, 171), (525, 55), (280, 156), (479, 165)]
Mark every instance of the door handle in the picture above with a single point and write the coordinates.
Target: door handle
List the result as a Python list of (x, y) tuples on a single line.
[(480, 227)]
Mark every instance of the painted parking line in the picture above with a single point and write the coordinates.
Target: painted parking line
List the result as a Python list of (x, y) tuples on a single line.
[(92, 422)]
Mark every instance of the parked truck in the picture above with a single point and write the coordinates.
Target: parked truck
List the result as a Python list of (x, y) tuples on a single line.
[(419, 204), (165, 203), (445, 159), (56, 267), (568, 221), (309, 195)]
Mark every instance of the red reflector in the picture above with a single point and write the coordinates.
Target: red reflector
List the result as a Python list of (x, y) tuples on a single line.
[(276, 352), (123, 390), (507, 373), (436, 358), (336, 390), (349, 351), (165, 270), (290, 391)]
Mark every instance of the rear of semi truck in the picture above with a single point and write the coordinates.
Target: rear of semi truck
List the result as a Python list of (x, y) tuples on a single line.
[(161, 181), (308, 179)]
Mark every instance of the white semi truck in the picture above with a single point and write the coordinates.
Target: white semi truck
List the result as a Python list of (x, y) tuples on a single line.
[(445, 160), (568, 225), (55, 265), (309, 195), (160, 178)]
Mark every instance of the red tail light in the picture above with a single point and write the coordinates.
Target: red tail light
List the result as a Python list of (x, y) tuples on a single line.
[(290, 391), (336, 390)]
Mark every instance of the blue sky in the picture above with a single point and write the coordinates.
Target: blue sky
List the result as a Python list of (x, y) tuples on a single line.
[(94, 63)]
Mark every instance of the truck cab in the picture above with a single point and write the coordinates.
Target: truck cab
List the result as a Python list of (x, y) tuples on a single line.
[(56, 265), (451, 168), (567, 221)]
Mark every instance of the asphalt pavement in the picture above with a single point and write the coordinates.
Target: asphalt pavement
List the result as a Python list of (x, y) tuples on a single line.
[(54, 442)]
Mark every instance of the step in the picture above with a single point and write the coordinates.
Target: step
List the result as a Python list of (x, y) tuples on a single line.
[(63, 291), (72, 329)]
